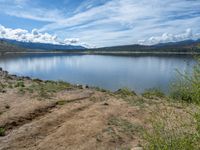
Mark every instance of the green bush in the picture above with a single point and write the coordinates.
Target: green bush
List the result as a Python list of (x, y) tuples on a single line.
[(153, 92), (2, 131), (187, 88), (125, 92), (20, 84), (163, 136)]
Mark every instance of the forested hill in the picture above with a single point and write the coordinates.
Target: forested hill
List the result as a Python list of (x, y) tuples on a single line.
[(183, 46), (7, 47)]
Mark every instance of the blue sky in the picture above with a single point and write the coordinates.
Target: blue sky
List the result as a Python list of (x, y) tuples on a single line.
[(100, 22)]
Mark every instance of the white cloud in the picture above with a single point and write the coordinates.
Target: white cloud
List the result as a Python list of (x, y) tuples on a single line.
[(114, 22), (35, 36), (120, 22), (167, 37), (74, 41)]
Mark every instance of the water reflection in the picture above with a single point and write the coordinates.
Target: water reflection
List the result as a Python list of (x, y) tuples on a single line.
[(110, 72)]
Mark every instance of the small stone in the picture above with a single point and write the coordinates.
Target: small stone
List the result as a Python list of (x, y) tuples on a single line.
[(7, 106)]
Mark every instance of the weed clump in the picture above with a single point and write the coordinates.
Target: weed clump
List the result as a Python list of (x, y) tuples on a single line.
[(187, 87), (123, 125), (20, 84), (125, 92), (48, 88), (172, 134), (2, 131), (153, 92)]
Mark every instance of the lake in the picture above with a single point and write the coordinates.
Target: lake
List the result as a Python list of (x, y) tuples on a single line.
[(110, 72)]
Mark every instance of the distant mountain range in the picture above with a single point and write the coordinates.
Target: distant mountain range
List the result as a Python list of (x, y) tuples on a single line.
[(42, 46), (183, 46), (7, 47)]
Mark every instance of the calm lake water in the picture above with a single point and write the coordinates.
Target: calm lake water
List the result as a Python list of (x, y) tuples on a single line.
[(110, 72)]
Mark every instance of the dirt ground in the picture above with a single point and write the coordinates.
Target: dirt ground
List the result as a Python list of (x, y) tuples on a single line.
[(70, 119)]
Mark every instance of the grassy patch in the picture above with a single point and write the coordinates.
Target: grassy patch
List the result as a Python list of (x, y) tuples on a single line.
[(61, 102), (135, 101), (123, 126), (2, 87), (101, 89), (20, 84), (172, 132), (125, 92), (2, 131), (153, 92), (21, 90), (47, 88), (187, 87)]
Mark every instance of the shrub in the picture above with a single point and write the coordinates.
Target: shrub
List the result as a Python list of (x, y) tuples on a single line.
[(172, 134), (125, 92), (2, 131), (20, 84), (187, 88), (153, 92)]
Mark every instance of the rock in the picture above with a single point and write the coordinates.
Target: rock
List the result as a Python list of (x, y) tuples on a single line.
[(105, 104), (1, 69)]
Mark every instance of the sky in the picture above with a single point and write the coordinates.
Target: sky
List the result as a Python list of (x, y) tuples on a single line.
[(100, 23)]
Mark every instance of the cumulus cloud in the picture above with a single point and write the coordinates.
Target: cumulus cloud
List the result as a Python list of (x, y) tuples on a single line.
[(110, 22), (25, 36), (167, 37), (71, 41), (36, 37)]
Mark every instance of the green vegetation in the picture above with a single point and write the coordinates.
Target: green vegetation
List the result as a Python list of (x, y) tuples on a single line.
[(171, 130), (61, 102), (2, 87), (152, 93), (173, 133), (187, 88), (52, 87), (43, 89), (20, 84), (2, 131), (123, 126), (198, 46), (125, 92), (135, 101), (101, 89)]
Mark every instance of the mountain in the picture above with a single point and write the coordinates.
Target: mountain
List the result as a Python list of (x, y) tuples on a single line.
[(42, 46), (5, 47), (182, 46)]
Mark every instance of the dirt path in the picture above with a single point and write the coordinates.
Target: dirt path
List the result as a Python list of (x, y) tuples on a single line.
[(76, 123)]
